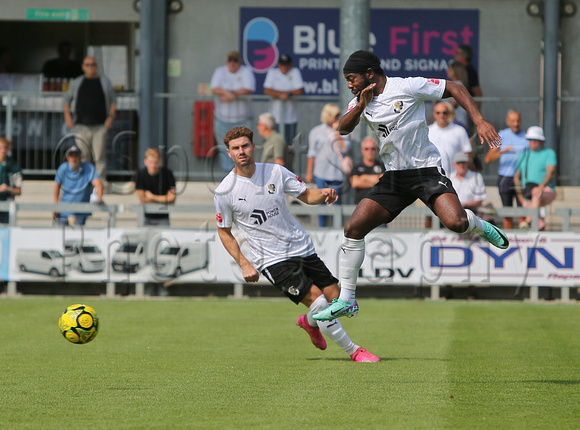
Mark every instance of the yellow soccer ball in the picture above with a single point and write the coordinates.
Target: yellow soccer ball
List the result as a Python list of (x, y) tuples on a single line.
[(79, 324)]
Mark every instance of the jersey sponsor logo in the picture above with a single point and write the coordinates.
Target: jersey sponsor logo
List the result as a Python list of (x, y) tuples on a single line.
[(218, 217), (385, 130), (398, 106), (260, 216), (271, 188), (433, 81)]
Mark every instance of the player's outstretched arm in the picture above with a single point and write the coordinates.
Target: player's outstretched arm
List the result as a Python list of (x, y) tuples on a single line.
[(315, 196), (231, 245), (487, 134)]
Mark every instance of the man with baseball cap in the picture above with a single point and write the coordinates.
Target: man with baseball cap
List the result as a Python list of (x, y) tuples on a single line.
[(75, 181), (535, 175)]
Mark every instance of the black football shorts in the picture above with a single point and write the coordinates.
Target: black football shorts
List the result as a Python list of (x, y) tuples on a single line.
[(295, 276), (398, 189)]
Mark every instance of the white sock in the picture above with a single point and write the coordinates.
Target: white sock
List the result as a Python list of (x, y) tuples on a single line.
[(317, 305), (332, 329), (352, 254), (475, 224)]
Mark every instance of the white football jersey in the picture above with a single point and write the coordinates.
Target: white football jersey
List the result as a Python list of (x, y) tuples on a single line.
[(258, 207), (397, 116)]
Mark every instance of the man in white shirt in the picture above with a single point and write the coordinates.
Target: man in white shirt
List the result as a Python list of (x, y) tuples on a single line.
[(282, 83), (253, 196), (468, 184), (228, 82), (448, 137), (394, 108)]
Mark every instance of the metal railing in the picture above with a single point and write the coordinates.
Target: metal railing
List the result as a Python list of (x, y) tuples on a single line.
[(411, 219)]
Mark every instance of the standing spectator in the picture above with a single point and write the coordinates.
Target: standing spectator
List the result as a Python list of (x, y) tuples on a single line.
[(92, 100), (155, 184), (468, 184), (10, 177), (514, 143), (535, 175), (76, 179), (275, 150), (228, 82), (464, 55), (367, 173), (326, 151), (448, 137), (282, 83), (457, 73), (62, 66)]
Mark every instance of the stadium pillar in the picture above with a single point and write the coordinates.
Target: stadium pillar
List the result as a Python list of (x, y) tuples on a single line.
[(152, 75), (355, 17), (551, 49)]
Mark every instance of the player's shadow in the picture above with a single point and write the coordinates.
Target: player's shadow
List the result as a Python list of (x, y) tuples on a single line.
[(382, 359)]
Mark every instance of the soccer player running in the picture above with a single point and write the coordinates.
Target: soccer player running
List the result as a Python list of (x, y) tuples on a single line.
[(395, 109), (253, 196)]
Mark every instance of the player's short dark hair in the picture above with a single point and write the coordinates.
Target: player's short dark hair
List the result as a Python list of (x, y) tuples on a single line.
[(238, 132), (361, 61)]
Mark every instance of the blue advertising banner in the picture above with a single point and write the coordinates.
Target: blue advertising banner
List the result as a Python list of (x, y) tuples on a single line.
[(410, 42)]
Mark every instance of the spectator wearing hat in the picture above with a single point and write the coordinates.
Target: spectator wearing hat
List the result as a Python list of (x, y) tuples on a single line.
[(468, 184), (75, 182), (281, 84), (513, 144), (535, 175), (228, 82)]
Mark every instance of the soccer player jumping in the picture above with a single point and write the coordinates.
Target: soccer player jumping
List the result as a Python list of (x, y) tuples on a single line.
[(395, 109)]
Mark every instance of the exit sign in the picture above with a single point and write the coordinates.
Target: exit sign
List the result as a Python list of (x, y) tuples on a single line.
[(57, 14)]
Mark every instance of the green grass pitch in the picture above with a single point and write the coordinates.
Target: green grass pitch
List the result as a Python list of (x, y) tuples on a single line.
[(226, 364)]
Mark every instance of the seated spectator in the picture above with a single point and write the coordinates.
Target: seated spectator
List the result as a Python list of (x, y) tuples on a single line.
[(367, 173), (470, 190), (327, 150), (449, 138), (155, 184), (275, 148), (535, 175), (10, 177), (76, 179), (469, 185)]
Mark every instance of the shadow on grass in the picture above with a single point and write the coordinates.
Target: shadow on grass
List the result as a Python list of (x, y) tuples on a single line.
[(555, 381), (382, 359)]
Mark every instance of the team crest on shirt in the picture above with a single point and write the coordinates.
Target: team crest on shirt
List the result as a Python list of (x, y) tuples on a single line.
[(398, 106), (294, 291), (271, 188)]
